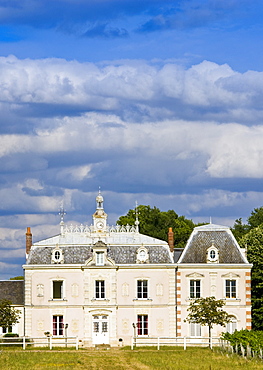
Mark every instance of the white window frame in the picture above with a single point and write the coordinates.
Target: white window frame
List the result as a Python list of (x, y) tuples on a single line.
[(100, 289), (62, 289), (99, 258), (144, 325), (195, 330), (59, 327), (232, 325), (194, 288), (140, 284), (232, 289)]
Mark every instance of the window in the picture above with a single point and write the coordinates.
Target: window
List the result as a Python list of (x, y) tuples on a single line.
[(57, 255), (231, 326), (142, 289), (142, 324), (231, 290), (100, 258), (195, 288), (57, 289), (99, 289), (195, 330), (58, 325), (212, 254)]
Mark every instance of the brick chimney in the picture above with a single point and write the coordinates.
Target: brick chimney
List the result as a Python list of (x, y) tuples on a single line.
[(171, 239), (28, 240)]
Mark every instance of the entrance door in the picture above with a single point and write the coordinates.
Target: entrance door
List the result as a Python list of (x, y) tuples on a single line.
[(100, 334)]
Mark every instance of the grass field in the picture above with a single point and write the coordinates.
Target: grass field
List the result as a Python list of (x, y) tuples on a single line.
[(122, 359)]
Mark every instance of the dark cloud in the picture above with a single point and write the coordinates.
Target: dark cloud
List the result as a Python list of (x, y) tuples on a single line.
[(105, 31)]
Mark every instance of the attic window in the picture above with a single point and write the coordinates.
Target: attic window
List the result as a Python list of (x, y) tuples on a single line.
[(212, 255), (142, 255), (57, 255)]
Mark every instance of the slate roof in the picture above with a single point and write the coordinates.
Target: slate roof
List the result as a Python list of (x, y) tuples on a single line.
[(203, 237), (80, 254), (12, 290)]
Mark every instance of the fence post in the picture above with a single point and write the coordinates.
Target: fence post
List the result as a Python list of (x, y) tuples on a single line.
[(24, 342), (132, 343), (158, 343), (184, 343), (77, 343), (50, 342)]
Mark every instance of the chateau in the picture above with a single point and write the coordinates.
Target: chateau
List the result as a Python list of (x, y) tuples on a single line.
[(103, 284)]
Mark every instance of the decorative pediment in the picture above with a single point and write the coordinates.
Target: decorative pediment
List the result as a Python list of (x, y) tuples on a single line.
[(230, 276), (99, 256), (195, 275)]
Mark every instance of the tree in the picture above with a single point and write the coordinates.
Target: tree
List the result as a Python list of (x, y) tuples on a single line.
[(253, 242), (256, 218), (8, 314), (156, 223), (208, 311), (239, 229)]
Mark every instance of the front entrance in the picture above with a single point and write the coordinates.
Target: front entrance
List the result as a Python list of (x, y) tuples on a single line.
[(100, 332)]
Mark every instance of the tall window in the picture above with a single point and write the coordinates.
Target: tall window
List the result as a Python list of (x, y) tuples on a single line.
[(142, 324), (231, 326), (57, 289), (100, 258), (195, 288), (142, 289), (231, 289), (58, 325), (99, 289), (195, 330)]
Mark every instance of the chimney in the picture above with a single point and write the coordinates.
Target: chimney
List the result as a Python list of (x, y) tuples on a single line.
[(171, 239), (28, 240)]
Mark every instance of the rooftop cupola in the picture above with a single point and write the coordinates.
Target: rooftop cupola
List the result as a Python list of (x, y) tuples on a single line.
[(99, 217)]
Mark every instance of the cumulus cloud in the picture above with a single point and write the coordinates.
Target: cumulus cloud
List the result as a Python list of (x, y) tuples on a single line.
[(188, 139)]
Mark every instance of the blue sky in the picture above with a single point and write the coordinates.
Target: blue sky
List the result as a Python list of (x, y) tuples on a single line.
[(154, 101)]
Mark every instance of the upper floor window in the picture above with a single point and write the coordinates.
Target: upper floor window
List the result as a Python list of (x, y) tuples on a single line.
[(212, 255), (100, 258), (57, 255), (142, 289), (57, 289), (100, 289), (231, 289), (195, 288)]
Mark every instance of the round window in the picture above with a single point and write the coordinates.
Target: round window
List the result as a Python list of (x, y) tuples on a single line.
[(212, 254), (57, 255)]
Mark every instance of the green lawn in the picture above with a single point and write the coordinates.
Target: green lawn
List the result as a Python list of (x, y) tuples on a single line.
[(122, 359)]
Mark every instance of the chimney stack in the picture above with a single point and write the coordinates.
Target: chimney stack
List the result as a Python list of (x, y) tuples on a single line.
[(171, 239), (28, 240)]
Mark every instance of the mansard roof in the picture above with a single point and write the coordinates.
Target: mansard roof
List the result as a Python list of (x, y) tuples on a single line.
[(120, 254), (12, 290), (220, 237)]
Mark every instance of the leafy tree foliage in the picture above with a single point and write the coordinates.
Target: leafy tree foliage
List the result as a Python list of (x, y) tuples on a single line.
[(254, 220), (156, 223), (8, 314), (17, 278), (208, 311), (253, 241)]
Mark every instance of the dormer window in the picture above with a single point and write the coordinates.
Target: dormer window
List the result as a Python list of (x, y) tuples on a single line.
[(212, 255), (100, 258), (57, 255), (142, 255)]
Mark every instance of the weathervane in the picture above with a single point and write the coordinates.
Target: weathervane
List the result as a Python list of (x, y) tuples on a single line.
[(62, 212)]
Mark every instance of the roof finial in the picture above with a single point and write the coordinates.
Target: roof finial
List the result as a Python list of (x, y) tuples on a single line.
[(136, 217), (62, 212)]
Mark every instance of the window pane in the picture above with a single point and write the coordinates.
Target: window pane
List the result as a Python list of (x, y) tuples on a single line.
[(142, 288), (57, 289)]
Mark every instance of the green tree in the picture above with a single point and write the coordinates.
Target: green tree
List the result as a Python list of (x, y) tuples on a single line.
[(156, 223), (239, 229), (253, 242), (256, 218), (208, 312), (17, 278), (8, 314)]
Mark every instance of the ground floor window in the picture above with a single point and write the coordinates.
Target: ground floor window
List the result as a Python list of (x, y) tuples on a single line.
[(195, 330), (142, 324), (58, 325), (231, 326)]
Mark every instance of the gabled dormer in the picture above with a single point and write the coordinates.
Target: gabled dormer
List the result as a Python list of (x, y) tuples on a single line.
[(100, 255)]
